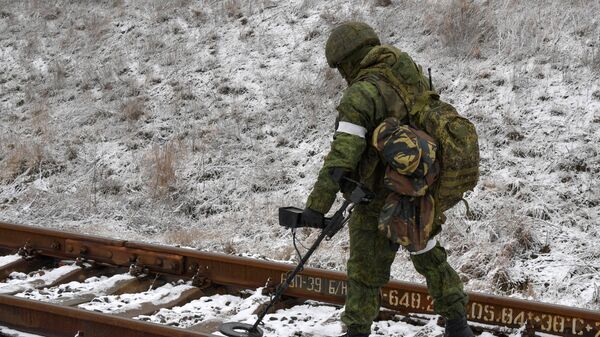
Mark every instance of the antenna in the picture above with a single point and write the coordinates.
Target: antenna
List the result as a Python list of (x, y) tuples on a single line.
[(430, 84)]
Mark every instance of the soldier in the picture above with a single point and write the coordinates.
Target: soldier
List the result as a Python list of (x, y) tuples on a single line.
[(374, 73)]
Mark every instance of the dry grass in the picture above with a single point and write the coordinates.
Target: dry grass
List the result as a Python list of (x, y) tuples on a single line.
[(184, 237), (40, 118), (197, 17), (596, 295), (382, 3), (462, 25), (229, 247), (133, 109), (233, 9), (22, 159), (154, 44), (97, 28), (161, 165), (59, 74), (591, 58), (32, 45)]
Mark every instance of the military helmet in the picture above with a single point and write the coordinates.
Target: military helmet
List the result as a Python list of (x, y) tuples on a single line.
[(347, 38)]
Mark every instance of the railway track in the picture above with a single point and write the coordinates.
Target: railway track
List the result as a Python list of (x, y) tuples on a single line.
[(54, 283)]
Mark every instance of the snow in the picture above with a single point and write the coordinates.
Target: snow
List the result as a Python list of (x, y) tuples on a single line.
[(18, 282), (4, 331), (92, 286), (8, 259), (125, 302)]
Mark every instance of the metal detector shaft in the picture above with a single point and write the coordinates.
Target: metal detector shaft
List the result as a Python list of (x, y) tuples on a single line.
[(333, 226)]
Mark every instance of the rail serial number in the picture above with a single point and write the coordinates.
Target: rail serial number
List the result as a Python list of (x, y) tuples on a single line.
[(317, 285)]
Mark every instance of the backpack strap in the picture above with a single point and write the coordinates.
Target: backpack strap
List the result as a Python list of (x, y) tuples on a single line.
[(394, 104)]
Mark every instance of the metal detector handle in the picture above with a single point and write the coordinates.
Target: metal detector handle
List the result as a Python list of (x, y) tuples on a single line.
[(359, 195), (338, 220), (332, 225)]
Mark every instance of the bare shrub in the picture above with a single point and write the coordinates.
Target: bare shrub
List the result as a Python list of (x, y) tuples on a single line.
[(133, 109), (198, 17), (50, 13), (229, 247), (161, 163), (32, 45), (382, 3), (131, 87), (87, 80), (186, 93), (504, 281), (462, 25), (23, 159), (185, 237), (154, 44), (233, 9), (59, 74), (596, 295), (40, 118), (97, 28), (163, 13), (171, 57), (109, 186), (591, 59), (106, 76), (71, 153)]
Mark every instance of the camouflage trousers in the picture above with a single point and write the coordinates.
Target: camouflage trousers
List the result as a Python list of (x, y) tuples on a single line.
[(371, 256)]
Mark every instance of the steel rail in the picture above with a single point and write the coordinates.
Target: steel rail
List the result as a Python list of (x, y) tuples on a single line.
[(315, 284), (62, 321)]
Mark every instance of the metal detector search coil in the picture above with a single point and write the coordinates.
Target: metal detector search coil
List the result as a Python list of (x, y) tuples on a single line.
[(234, 329)]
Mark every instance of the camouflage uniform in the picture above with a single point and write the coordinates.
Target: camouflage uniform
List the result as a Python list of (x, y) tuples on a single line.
[(363, 107)]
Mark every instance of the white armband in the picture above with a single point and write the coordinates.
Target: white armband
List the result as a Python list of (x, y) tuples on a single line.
[(352, 129)]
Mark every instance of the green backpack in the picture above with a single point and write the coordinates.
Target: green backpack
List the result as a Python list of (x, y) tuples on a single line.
[(458, 149), (398, 78)]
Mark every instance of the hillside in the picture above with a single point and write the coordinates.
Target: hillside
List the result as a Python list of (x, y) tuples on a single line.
[(190, 122)]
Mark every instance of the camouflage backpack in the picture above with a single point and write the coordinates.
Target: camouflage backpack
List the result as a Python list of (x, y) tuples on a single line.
[(458, 148), (407, 216)]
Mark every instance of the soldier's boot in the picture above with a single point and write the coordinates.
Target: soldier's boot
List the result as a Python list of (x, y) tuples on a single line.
[(458, 328), (351, 333)]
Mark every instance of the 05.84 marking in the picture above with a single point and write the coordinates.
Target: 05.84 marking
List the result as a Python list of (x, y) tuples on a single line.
[(555, 324)]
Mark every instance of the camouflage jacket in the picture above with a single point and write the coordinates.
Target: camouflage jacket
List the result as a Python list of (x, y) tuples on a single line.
[(367, 101)]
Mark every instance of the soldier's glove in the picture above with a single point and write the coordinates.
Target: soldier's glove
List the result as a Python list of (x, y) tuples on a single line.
[(312, 218)]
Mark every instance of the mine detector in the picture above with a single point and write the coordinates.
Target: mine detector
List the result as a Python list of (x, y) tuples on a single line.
[(291, 217)]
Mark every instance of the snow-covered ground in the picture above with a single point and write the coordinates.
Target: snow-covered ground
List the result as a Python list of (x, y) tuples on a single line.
[(189, 122)]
